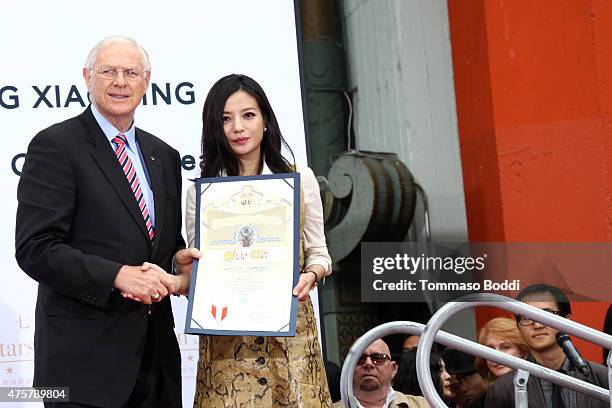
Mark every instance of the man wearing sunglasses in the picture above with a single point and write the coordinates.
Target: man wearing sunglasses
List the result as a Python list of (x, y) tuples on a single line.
[(373, 378), (545, 351)]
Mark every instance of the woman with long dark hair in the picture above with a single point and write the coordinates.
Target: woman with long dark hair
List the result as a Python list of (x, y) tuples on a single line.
[(241, 137), (406, 380)]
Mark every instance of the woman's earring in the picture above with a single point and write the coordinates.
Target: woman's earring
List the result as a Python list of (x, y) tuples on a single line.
[(265, 129)]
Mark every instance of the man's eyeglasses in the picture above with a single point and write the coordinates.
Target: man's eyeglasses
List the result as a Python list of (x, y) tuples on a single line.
[(111, 72), (377, 359), (525, 321)]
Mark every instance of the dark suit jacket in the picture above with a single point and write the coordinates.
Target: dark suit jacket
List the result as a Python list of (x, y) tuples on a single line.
[(501, 392), (77, 224)]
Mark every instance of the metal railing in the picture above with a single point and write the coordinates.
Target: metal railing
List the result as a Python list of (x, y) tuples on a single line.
[(516, 307), (406, 327), (431, 333)]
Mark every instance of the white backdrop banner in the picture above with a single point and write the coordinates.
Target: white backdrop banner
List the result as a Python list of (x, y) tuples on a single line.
[(191, 44)]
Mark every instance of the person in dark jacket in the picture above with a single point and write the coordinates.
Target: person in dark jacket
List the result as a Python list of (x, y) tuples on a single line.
[(468, 386), (545, 351)]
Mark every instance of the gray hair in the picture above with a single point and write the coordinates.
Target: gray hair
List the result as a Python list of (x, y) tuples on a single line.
[(93, 54)]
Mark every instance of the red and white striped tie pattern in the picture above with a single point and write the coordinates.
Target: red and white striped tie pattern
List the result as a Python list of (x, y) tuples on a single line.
[(130, 172)]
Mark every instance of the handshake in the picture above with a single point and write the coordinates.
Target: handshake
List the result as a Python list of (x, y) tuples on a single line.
[(150, 283)]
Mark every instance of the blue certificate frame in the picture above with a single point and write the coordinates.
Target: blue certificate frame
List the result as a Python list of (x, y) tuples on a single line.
[(248, 229)]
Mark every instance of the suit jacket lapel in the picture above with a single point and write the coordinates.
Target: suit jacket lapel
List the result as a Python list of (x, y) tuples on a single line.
[(155, 169), (582, 400), (535, 396), (105, 158)]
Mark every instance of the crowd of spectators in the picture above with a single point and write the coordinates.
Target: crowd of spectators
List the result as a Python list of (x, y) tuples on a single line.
[(463, 381)]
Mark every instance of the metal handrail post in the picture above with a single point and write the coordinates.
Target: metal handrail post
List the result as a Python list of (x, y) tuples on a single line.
[(520, 389)]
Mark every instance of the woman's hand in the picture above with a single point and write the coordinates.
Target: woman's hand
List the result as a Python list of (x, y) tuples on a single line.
[(308, 281), (183, 260)]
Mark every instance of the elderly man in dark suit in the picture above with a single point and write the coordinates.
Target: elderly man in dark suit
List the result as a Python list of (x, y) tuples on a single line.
[(98, 224)]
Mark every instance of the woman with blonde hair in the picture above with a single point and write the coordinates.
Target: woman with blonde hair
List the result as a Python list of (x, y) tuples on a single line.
[(502, 335)]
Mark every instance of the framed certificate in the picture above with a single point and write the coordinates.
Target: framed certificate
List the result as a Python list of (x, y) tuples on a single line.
[(248, 230)]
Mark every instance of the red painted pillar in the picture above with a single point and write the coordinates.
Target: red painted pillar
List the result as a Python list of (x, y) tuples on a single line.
[(533, 82)]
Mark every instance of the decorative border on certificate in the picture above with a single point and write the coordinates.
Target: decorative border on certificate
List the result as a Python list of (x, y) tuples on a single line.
[(248, 230)]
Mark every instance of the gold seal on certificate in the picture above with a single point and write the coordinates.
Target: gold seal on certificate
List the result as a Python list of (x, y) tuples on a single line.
[(247, 229)]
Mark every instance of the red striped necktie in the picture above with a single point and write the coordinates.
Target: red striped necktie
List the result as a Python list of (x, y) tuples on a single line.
[(130, 172)]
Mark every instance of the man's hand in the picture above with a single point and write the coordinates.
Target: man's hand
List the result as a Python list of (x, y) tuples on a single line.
[(177, 284), (140, 285)]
